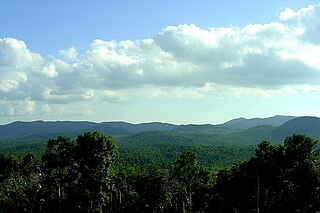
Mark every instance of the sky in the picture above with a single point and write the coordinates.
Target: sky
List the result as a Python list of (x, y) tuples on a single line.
[(169, 61)]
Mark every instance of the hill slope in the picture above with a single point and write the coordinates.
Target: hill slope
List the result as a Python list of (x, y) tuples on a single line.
[(25, 129), (303, 125), (243, 123), (49, 129), (160, 132), (204, 128), (142, 127)]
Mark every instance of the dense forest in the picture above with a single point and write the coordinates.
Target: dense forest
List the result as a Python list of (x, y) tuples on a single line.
[(94, 173)]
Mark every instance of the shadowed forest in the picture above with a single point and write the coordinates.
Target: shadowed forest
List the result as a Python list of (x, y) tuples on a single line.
[(85, 175)]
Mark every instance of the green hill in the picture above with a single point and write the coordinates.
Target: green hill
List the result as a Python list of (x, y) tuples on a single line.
[(185, 138), (205, 128), (243, 123), (303, 125)]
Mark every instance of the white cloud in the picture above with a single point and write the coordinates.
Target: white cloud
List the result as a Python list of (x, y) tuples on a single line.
[(304, 22), (180, 61), (16, 54), (71, 109), (112, 96), (70, 54), (49, 70), (46, 109), (17, 108), (8, 85), (104, 55)]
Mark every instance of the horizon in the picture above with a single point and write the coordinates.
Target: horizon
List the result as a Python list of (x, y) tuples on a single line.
[(148, 122), (190, 62)]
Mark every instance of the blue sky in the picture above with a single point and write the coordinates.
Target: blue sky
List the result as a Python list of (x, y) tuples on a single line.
[(170, 61), (48, 26)]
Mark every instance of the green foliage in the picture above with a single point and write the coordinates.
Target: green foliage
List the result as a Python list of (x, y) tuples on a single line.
[(283, 178), (78, 171), (94, 155), (302, 125), (60, 170), (83, 175), (152, 187), (21, 184), (165, 154), (189, 181), (224, 137), (18, 145)]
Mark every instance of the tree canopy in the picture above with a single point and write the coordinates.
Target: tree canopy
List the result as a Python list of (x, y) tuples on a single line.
[(84, 175)]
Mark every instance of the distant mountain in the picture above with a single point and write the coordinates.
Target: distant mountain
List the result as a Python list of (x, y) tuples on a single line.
[(204, 128), (134, 128), (243, 123), (25, 129), (50, 129), (250, 136), (171, 137), (303, 125), (193, 127), (108, 129), (217, 135), (239, 131)]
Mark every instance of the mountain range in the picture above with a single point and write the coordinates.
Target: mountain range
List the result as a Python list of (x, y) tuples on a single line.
[(243, 123), (243, 130)]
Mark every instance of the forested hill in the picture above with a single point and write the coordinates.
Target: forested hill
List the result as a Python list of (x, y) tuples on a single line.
[(214, 135), (205, 134), (34, 135), (243, 123), (48, 129), (85, 175), (303, 125)]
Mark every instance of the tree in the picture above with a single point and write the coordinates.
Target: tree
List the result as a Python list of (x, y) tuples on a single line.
[(188, 180), (94, 155), (123, 197), (152, 188), (21, 189), (283, 178), (61, 173), (77, 172)]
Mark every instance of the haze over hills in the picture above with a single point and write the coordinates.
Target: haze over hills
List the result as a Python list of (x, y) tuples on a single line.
[(237, 131), (303, 125), (142, 127), (72, 128), (216, 135), (20, 128), (140, 143), (243, 123)]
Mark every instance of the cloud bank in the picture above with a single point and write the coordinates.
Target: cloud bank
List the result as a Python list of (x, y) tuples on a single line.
[(180, 61)]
